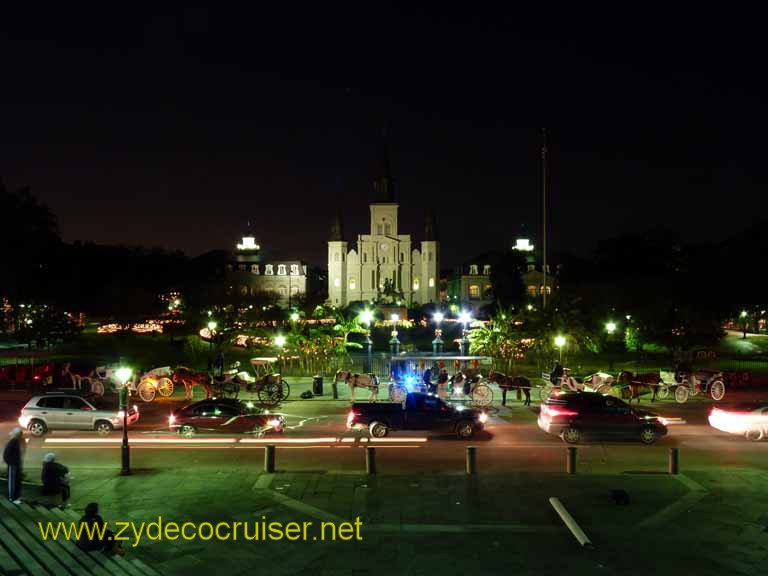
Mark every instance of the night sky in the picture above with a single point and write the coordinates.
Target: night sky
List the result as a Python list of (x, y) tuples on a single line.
[(173, 129)]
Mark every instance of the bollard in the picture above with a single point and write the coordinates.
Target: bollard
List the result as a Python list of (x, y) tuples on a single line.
[(674, 461), (471, 460), (570, 461), (335, 391), (370, 460), (269, 459)]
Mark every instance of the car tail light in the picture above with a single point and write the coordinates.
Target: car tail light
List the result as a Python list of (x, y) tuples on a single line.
[(552, 412), (171, 419), (351, 419)]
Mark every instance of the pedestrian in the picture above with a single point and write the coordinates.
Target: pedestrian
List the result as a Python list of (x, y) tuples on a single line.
[(97, 536), (427, 379), (55, 478), (218, 366), (442, 384), (13, 455), (556, 374)]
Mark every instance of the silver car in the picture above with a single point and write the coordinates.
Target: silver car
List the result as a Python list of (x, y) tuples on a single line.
[(58, 411)]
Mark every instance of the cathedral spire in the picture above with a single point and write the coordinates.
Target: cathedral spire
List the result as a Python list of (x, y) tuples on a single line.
[(430, 228), (382, 184), (337, 231)]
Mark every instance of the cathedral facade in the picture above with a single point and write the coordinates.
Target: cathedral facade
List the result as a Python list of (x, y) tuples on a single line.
[(384, 262)]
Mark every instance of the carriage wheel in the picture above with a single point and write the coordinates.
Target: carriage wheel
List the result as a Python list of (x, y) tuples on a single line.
[(147, 391), (165, 387), (681, 394), (269, 395), (230, 390), (663, 391), (482, 395), (545, 391), (717, 390), (397, 393), (286, 389), (693, 386)]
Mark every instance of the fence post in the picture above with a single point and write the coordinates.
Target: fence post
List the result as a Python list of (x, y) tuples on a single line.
[(269, 459), (570, 461), (471, 460), (673, 462), (335, 389), (370, 460)]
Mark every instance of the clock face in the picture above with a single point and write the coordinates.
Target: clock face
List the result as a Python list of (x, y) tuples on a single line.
[(384, 247)]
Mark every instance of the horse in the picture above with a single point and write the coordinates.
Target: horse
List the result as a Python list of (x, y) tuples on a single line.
[(355, 380), (508, 383), (636, 382), (191, 379)]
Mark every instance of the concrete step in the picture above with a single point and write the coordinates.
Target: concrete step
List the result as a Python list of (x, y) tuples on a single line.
[(145, 569), (8, 565), (30, 555)]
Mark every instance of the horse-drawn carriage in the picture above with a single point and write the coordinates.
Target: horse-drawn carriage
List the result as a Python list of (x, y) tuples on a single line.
[(686, 384), (598, 382), (407, 375)]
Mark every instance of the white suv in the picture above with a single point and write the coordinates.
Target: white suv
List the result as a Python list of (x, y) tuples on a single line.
[(71, 412)]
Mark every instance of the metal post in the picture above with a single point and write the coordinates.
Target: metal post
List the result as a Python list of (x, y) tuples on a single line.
[(125, 449), (269, 459), (570, 462), (673, 464), (370, 460), (471, 460), (544, 214)]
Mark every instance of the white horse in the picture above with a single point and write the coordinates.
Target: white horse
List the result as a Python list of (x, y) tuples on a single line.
[(355, 380)]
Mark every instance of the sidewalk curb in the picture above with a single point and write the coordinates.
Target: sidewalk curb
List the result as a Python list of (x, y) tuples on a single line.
[(696, 493)]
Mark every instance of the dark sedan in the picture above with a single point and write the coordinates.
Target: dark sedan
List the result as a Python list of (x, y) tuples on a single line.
[(576, 415), (224, 415)]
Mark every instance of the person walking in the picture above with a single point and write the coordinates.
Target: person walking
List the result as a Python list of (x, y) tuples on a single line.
[(556, 374), (55, 479), (13, 455)]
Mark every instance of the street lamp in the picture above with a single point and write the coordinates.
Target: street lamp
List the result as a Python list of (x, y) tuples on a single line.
[(123, 375), (295, 317), (394, 343), (465, 318), (744, 324), (280, 342), (437, 343), (560, 342), (610, 327), (366, 317)]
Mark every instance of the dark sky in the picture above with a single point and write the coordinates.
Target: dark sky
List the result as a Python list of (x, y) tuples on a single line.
[(175, 128)]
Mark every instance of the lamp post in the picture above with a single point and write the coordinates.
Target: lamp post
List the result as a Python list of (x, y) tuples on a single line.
[(394, 343), (744, 324), (465, 318), (123, 375), (610, 327), (437, 343), (280, 342), (560, 342), (366, 317)]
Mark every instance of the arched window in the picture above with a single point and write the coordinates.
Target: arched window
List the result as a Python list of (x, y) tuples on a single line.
[(352, 284), (294, 269), (255, 268), (281, 269), (268, 270)]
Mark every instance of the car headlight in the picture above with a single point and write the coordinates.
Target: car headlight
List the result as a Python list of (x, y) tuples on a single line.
[(483, 418)]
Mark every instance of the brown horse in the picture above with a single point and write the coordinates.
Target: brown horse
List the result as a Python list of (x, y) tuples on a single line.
[(508, 383), (637, 382), (191, 379)]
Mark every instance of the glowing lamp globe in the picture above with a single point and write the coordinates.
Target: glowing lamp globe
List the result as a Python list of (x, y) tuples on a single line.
[(123, 374), (560, 341), (280, 341), (438, 317)]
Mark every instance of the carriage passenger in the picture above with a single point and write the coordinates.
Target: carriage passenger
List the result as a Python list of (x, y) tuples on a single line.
[(442, 384)]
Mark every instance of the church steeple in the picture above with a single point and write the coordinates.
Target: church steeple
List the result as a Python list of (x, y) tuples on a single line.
[(382, 185), (430, 228), (337, 230)]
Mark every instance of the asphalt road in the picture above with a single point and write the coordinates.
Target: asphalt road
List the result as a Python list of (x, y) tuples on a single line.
[(316, 439)]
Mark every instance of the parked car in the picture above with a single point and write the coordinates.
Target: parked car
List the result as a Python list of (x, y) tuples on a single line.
[(61, 411), (224, 415), (749, 420), (576, 415), (418, 412)]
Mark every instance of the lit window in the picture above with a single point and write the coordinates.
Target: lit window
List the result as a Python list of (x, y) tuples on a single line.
[(268, 270), (294, 269), (281, 269), (549, 289), (487, 270), (352, 284), (244, 290), (243, 267), (415, 284), (255, 268), (337, 282), (473, 269), (294, 290), (283, 290), (531, 290), (474, 291), (531, 267), (431, 282)]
